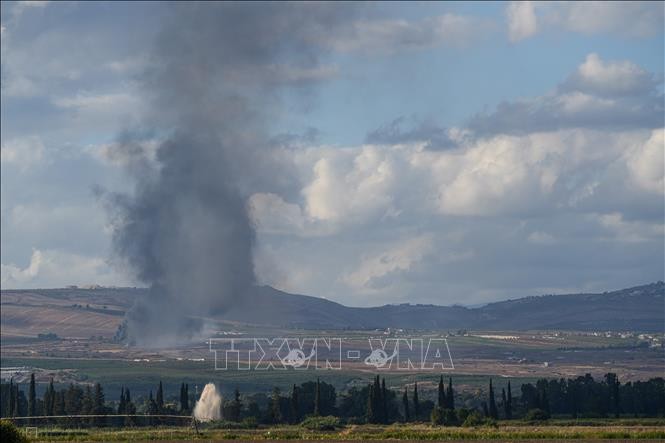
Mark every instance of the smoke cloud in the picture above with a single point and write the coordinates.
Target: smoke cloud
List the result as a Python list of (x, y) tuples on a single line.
[(215, 85), (209, 406)]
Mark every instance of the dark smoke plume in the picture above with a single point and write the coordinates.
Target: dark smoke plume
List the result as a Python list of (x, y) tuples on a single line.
[(215, 85)]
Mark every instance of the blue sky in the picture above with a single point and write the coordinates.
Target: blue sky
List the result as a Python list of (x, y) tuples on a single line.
[(439, 152)]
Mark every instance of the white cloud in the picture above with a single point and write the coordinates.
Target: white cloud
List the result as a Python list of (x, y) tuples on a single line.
[(350, 185), (395, 35), (646, 162), (522, 21), (630, 231), (375, 273), (23, 152), (626, 19), (55, 268), (613, 78), (599, 94)]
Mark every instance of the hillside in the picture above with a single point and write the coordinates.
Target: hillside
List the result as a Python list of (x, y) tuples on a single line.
[(90, 312)]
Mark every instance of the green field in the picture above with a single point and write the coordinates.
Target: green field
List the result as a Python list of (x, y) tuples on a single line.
[(553, 430)]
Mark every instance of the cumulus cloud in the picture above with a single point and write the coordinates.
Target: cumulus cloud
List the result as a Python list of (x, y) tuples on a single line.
[(56, 268), (377, 272), (599, 94), (585, 17), (610, 78), (23, 152), (522, 21), (428, 132), (376, 35)]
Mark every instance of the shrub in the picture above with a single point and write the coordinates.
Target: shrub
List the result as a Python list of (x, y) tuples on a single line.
[(9, 433), (450, 417), (536, 415), (329, 423), (462, 414), (250, 423), (473, 419), (437, 416)]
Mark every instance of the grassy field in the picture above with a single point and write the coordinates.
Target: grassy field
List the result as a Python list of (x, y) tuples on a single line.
[(553, 430)]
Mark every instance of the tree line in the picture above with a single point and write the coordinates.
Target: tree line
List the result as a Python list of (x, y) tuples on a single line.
[(373, 403)]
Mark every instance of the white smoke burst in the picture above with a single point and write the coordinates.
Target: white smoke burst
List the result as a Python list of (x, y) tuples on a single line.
[(209, 406)]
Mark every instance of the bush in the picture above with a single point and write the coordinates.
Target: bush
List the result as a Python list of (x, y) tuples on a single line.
[(329, 423), (437, 416), (473, 419), (9, 433), (462, 414), (536, 415), (250, 423), (450, 417)]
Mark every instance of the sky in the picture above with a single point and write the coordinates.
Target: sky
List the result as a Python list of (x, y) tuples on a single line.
[(446, 153)]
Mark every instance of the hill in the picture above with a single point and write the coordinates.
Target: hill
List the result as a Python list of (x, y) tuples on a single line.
[(75, 312)]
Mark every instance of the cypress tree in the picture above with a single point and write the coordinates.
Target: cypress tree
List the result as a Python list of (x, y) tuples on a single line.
[(503, 400), (509, 404), (450, 394), (237, 405), (384, 402), (60, 402), (416, 403), (405, 405), (275, 411), (317, 398), (294, 406), (442, 395), (159, 400), (18, 412), (32, 397), (370, 412), (49, 399), (493, 413), (187, 397), (122, 406), (11, 397)]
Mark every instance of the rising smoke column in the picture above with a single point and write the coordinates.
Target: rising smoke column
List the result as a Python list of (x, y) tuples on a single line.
[(214, 86)]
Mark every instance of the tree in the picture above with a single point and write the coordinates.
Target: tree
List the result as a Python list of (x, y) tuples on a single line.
[(159, 398), (236, 406), (416, 403), (613, 389), (294, 407), (49, 399), (503, 399), (12, 401), (87, 405), (384, 402), (317, 398), (98, 404), (450, 394), (275, 410), (492, 411), (441, 395), (405, 405), (122, 406), (32, 397), (509, 404), (370, 411)]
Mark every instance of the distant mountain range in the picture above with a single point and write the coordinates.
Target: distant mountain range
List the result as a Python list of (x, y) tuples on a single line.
[(98, 311), (638, 308)]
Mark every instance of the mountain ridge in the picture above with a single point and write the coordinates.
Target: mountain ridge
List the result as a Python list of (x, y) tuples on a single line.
[(637, 308)]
